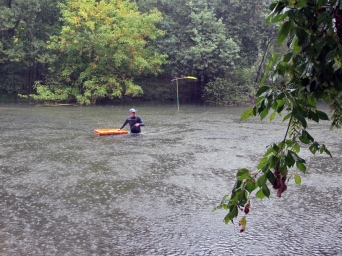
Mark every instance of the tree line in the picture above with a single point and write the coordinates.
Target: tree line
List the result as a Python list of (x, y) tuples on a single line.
[(88, 51)]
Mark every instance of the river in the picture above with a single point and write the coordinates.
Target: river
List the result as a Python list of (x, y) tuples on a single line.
[(66, 191)]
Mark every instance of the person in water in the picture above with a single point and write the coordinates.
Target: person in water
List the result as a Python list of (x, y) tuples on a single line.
[(134, 122)]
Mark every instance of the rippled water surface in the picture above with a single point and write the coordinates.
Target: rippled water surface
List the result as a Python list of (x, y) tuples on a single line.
[(65, 191)]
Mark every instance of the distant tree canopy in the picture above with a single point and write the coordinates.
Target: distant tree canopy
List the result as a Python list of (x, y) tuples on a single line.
[(88, 50), (216, 40), (102, 46), (25, 26)]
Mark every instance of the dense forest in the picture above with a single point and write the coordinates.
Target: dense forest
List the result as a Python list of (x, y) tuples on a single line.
[(92, 51)]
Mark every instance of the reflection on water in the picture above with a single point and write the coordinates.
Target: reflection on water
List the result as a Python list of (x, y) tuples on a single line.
[(65, 191)]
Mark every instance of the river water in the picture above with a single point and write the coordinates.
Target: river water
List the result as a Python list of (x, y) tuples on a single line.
[(66, 191)]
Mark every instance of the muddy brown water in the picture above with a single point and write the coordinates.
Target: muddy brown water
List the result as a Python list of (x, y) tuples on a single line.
[(65, 191)]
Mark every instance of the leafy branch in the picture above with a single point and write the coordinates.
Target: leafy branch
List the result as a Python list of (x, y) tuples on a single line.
[(309, 73)]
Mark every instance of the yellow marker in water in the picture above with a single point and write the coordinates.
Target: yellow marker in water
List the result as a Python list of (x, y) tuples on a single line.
[(191, 77)]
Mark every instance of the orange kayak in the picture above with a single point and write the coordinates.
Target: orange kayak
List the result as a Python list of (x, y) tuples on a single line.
[(109, 131)]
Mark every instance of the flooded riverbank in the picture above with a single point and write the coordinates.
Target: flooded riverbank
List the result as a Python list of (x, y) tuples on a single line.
[(65, 191)]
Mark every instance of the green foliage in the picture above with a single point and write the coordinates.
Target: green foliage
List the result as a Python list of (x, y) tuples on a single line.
[(310, 72), (46, 94), (238, 88), (157, 88), (102, 46), (205, 39), (245, 23), (211, 52), (25, 27), (210, 38)]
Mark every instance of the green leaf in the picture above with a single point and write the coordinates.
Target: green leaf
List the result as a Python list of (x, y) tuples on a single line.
[(267, 68), (313, 116), (223, 204), (260, 194), (289, 143), (250, 186), (259, 102), (262, 90), (266, 191), (322, 17), (247, 114), (301, 166), (234, 198), (265, 168), (307, 135), (288, 57), (284, 31), (228, 218), (322, 115), (274, 161), (281, 145), (330, 56), (304, 140), (262, 180), (262, 162), (242, 174), (282, 68), (296, 148), (296, 157), (269, 151), (287, 117), (282, 169), (289, 161), (295, 46), (264, 113), (300, 3), (319, 44), (270, 177), (324, 149), (280, 103), (276, 8), (297, 113), (242, 171), (275, 147), (237, 185), (302, 37), (292, 36), (279, 17), (297, 178), (313, 148), (243, 198), (272, 116), (254, 111), (234, 211), (307, 71)]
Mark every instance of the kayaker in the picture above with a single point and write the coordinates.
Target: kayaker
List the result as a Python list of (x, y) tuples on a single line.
[(134, 122)]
